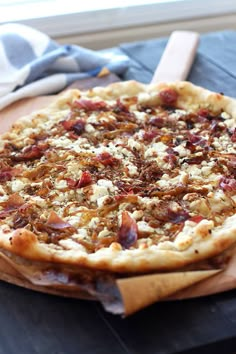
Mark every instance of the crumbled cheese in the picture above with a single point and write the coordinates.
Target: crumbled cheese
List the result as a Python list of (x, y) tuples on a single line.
[(134, 144), (101, 201), (132, 170), (17, 185), (156, 149), (178, 113), (61, 184), (93, 222), (89, 128), (39, 201), (140, 116), (104, 233), (93, 118), (3, 198), (61, 141), (144, 227), (225, 115), (182, 151), (2, 190), (71, 245), (105, 183), (137, 214), (219, 201), (74, 220), (143, 97)]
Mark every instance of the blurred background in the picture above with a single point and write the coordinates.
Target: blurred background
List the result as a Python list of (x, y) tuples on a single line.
[(103, 24)]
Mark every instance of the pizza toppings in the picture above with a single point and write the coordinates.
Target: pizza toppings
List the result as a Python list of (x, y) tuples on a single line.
[(5, 175), (89, 105), (128, 231), (233, 136), (77, 126), (168, 97), (132, 171), (107, 159), (84, 181), (29, 153), (56, 223), (12, 204), (228, 184)]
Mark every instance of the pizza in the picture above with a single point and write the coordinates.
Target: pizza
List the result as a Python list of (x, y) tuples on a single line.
[(126, 179)]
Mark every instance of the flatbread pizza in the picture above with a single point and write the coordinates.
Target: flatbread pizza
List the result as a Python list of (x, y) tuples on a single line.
[(127, 179)]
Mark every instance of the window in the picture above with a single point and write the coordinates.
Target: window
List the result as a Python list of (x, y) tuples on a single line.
[(61, 18)]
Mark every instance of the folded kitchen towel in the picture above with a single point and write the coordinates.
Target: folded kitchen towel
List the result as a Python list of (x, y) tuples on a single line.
[(32, 64)]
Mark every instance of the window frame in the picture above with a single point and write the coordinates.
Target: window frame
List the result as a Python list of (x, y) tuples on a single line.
[(61, 25)]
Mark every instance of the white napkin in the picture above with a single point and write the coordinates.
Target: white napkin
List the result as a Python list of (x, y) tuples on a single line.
[(32, 64)]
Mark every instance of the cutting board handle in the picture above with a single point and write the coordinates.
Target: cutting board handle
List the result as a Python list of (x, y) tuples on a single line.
[(178, 57)]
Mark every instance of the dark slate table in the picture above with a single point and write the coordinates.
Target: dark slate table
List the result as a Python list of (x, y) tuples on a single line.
[(33, 323)]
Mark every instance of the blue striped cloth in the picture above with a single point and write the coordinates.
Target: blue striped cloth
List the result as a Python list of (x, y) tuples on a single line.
[(32, 64)]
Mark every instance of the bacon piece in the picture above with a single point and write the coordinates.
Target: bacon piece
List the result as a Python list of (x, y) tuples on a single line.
[(120, 107), (55, 228), (233, 136), (56, 223), (228, 184), (157, 122), (30, 153), (168, 97), (193, 138), (195, 160), (194, 141), (5, 176), (150, 172), (84, 181), (128, 232), (171, 159), (107, 159), (77, 126), (68, 124), (203, 112), (88, 105), (196, 218), (231, 164), (150, 135), (125, 188)]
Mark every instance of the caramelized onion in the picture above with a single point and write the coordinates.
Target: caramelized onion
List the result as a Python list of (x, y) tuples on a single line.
[(14, 202)]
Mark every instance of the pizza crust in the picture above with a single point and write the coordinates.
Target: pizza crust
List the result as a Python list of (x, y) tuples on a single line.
[(25, 244), (196, 242)]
